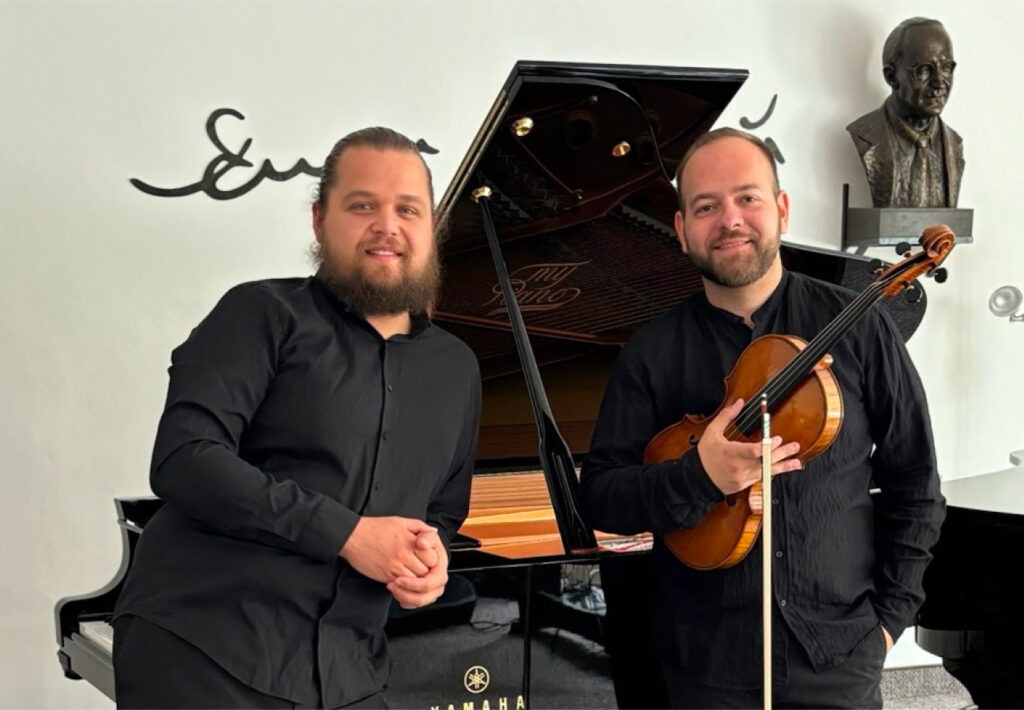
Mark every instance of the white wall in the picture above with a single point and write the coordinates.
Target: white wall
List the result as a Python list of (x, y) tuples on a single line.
[(99, 282)]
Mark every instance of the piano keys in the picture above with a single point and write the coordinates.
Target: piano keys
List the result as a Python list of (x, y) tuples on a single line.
[(84, 634), (577, 158), (512, 517)]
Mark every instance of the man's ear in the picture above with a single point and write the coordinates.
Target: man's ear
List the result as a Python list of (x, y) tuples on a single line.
[(318, 222), (782, 203), (680, 234), (889, 73)]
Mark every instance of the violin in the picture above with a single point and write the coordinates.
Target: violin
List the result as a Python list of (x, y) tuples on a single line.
[(803, 398)]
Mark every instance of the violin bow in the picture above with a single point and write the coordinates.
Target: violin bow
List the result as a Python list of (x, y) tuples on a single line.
[(766, 548)]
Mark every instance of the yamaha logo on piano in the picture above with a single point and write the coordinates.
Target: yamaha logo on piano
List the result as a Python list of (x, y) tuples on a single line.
[(476, 680), (538, 287)]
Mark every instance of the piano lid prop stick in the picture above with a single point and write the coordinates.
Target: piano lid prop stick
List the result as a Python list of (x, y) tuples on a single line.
[(766, 547), (555, 457)]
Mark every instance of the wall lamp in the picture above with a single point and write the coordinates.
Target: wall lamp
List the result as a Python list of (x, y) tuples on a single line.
[(1006, 301)]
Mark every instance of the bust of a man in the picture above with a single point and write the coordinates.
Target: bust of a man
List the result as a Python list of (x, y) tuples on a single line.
[(912, 158)]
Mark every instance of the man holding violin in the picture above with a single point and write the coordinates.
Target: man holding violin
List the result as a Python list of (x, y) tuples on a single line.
[(847, 566)]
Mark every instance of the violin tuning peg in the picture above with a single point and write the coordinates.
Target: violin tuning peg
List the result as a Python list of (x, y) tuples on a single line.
[(940, 276), (902, 248), (877, 267), (914, 294)]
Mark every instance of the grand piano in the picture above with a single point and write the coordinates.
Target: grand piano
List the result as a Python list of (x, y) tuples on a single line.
[(972, 616), (558, 245)]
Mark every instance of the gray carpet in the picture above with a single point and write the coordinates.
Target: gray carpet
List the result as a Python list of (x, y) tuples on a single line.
[(924, 687), (431, 670)]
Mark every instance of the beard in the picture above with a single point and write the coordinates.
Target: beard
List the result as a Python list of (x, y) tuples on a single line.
[(738, 270), (412, 293)]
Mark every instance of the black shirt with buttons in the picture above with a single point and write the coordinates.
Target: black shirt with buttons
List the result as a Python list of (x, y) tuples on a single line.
[(846, 560), (287, 418)]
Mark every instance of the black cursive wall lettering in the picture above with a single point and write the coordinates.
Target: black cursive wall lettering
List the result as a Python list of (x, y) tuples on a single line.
[(751, 125), (227, 160), (424, 147)]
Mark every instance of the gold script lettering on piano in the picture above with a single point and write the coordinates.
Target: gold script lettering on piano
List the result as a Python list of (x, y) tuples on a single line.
[(536, 288)]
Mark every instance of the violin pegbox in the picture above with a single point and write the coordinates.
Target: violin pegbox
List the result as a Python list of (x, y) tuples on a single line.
[(936, 243)]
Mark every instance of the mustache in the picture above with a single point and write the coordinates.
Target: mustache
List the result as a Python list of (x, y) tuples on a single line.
[(383, 243), (734, 234)]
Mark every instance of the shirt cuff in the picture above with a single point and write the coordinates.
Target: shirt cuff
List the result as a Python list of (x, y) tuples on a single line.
[(892, 623), (328, 530), (702, 485), (690, 493)]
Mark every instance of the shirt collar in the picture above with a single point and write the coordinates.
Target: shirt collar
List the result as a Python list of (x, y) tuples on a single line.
[(419, 322), (767, 309)]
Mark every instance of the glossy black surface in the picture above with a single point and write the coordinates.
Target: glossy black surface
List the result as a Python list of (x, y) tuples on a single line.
[(972, 616)]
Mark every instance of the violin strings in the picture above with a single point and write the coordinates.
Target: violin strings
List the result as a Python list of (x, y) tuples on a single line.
[(783, 382), (798, 368), (802, 364)]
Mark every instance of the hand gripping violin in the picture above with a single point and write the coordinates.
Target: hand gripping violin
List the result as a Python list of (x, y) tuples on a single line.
[(804, 400)]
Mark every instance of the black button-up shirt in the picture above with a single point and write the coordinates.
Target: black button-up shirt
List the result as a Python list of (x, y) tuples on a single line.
[(845, 560), (288, 417)]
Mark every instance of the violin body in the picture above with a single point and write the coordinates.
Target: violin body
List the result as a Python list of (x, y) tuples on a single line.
[(810, 414), (802, 394)]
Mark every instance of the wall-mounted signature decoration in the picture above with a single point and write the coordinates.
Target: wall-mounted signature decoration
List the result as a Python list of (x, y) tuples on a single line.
[(228, 160), (749, 125)]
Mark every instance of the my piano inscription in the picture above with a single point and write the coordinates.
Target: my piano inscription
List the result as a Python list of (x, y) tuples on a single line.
[(538, 287), (228, 160), (749, 125)]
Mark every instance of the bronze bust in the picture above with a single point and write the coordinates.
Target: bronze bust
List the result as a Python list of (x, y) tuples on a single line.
[(912, 158)]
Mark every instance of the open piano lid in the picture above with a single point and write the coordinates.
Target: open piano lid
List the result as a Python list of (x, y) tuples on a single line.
[(587, 234)]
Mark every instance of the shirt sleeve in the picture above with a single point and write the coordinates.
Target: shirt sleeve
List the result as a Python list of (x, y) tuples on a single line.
[(450, 504), (218, 379), (618, 492), (909, 508)]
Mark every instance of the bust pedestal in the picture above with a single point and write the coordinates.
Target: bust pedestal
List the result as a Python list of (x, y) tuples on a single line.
[(865, 227)]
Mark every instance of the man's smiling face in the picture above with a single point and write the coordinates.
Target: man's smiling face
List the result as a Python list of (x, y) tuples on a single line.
[(375, 232), (733, 217)]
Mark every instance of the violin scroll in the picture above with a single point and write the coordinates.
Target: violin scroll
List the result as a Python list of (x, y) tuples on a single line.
[(936, 242)]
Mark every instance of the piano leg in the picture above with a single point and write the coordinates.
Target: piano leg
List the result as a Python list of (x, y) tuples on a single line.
[(629, 591), (993, 680)]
